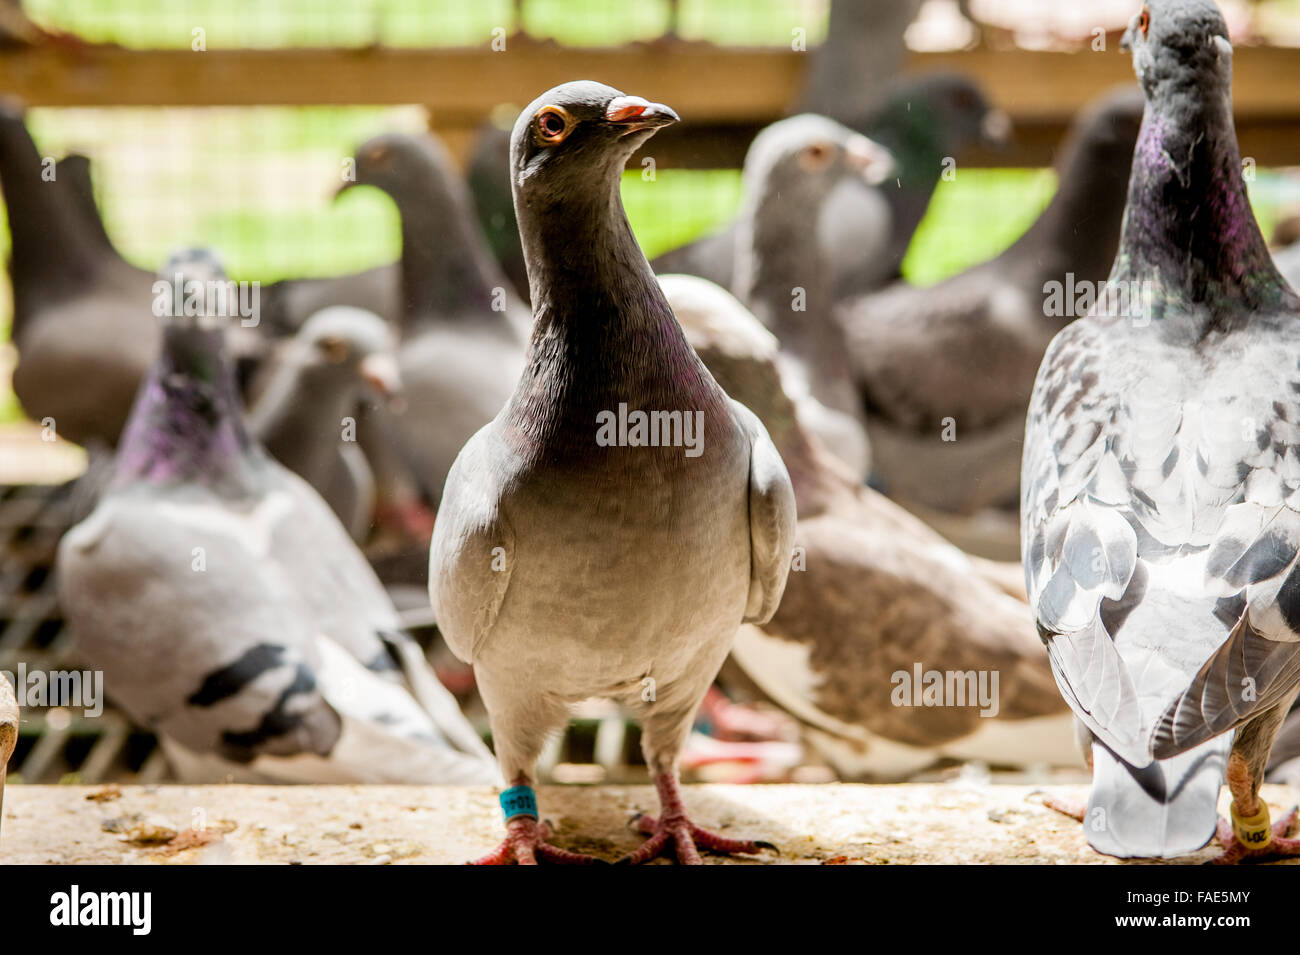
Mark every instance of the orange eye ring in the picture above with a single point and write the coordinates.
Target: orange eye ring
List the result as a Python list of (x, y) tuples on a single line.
[(1144, 20), (553, 125)]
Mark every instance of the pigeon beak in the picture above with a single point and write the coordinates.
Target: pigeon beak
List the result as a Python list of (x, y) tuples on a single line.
[(636, 113), (381, 373), (996, 128), (871, 160)]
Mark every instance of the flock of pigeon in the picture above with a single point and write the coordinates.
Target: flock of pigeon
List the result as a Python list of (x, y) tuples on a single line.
[(723, 457)]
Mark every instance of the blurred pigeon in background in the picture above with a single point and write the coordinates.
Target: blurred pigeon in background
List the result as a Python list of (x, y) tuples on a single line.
[(228, 609), (1161, 482), (488, 176), (462, 329), (945, 372), (306, 414), (82, 321), (873, 593), (864, 233), (791, 169), (574, 556)]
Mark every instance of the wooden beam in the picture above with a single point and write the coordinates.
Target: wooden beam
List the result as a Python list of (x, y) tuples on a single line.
[(723, 94)]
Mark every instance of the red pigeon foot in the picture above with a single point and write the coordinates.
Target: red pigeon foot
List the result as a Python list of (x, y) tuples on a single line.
[(525, 844), (673, 826)]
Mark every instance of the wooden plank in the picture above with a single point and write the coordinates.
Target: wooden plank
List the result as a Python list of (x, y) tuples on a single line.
[(810, 824)]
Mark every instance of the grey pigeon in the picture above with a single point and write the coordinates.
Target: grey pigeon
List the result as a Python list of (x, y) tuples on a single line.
[(873, 593), (73, 172), (306, 416), (865, 232), (945, 372), (81, 321), (575, 553), (488, 177), (228, 609), (1161, 479), (791, 170), (462, 329)]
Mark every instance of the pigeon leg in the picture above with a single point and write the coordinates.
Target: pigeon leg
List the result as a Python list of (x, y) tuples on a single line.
[(1249, 834), (674, 826), (520, 725)]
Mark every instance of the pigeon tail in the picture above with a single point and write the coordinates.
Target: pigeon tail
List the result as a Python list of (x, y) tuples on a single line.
[(1167, 809)]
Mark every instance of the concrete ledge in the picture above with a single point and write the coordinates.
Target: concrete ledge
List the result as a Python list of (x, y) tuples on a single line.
[(812, 824)]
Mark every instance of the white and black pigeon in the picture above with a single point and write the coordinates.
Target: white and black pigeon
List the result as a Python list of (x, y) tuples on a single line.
[(945, 371), (462, 330), (791, 170), (229, 610), (306, 415), (1160, 515), (877, 603), (586, 544), (81, 318)]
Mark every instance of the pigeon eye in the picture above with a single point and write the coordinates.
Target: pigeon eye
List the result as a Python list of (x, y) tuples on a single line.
[(1144, 20), (553, 124), (334, 349), (815, 157)]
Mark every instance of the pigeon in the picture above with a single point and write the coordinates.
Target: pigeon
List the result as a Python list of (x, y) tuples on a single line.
[(488, 177), (873, 594), (306, 416), (866, 230), (229, 610), (462, 330), (945, 372), (1161, 480), (791, 170), (586, 545), (73, 172), (81, 320)]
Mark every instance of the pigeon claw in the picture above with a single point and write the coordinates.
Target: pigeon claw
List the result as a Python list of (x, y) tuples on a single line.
[(525, 844), (1235, 851), (687, 840)]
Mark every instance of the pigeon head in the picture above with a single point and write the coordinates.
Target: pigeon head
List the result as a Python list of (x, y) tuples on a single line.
[(351, 343), (800, 159), (391, 161), (1179, 45), (577, 137), (947, 104)]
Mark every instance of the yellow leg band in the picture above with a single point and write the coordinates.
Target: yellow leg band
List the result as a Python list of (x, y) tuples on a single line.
[(1253, 832)]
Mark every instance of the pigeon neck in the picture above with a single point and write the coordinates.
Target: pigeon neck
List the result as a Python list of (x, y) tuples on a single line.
[(1189, 230), (784, 277), (299, 417), (603, 333), (50, 251), (447, 270), (187, 424)]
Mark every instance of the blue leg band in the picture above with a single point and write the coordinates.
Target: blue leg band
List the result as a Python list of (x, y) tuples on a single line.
[(518, 801)]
